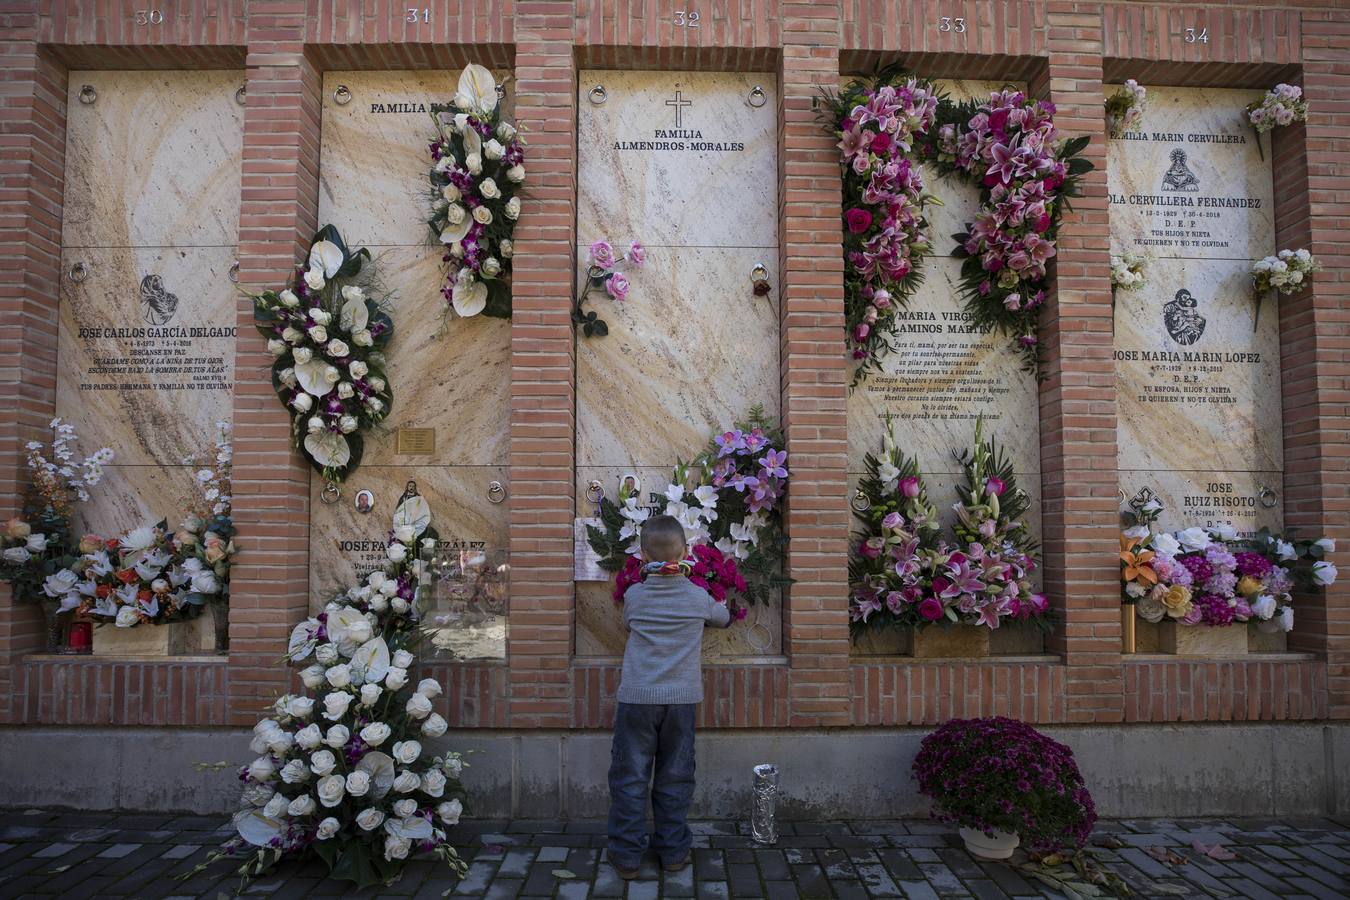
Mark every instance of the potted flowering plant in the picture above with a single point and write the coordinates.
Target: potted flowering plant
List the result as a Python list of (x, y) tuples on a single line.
[(1003, 783)]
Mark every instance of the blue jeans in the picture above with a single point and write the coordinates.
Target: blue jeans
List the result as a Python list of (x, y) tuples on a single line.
[(651, 739)]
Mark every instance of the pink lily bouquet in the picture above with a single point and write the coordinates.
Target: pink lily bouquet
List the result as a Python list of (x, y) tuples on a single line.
[(886, 235), (904, 573), (731, 513), (1026, 172)]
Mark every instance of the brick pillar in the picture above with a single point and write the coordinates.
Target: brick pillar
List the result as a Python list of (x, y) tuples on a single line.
[(1078, 408), (1310, 166), (32, 166), (543, 380), (814, 380), (269, 590)]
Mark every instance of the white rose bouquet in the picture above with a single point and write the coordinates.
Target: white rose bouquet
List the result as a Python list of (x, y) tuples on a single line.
[(1125, 108), (1284, 273), (478, 167), (345, 773), (327, 338), (1127, 271), (38, 543)]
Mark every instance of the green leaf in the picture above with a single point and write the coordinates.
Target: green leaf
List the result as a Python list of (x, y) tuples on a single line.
[(1074, 146), (354, 864), (601, 329), (588, 329), (563, 874)]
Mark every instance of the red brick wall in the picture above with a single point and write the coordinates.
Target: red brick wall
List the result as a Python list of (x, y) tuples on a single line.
[(1064, 49)]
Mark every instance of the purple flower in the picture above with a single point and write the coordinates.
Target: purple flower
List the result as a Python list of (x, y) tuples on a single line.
[(617, 286), (994, 486), (909, 486), (773, 462), (602, 254)]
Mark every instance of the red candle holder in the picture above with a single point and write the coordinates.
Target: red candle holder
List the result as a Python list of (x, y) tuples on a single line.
[(80, 638)]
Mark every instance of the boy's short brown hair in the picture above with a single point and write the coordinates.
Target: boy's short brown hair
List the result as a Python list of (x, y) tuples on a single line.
[(663, 539)]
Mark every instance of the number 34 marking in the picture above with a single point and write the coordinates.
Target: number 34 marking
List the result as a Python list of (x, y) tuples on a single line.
[(947, 23), (1197, 36)]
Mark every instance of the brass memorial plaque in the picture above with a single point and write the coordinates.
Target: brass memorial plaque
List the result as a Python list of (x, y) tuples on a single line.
[(416, 441)]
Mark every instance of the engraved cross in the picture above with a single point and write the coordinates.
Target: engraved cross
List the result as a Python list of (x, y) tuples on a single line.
[(679, 103)]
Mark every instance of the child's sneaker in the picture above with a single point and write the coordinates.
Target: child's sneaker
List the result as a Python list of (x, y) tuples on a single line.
[(625, 874), (677, 866)]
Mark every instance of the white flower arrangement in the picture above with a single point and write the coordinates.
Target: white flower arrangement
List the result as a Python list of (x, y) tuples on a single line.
[(1282, 105), (327, 340), (1125, 108), (344, 774), (478, 168), (1285, 272), (1127, 271)]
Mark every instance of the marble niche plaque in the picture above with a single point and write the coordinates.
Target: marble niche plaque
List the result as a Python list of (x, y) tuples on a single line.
[(147, 323), (1192, 182), (346, 544), (944, 373), (685, 163), (1197, 366), (1198, 405), (449, 423)]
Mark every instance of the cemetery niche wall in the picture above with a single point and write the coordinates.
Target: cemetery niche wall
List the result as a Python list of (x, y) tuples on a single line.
[(446, 434)]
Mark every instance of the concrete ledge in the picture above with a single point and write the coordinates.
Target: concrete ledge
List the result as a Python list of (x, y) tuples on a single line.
[(1268, 769)]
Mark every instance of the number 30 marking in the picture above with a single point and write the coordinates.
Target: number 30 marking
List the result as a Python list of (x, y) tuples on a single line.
[(149, 17)]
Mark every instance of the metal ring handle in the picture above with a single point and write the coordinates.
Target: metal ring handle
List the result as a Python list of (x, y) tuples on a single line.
[(241, 95), (79, 272), (331, 493), (759, 273), (1267, 497), (1121, 493), (234, 272), (860, 501), (88, 95), (757, 97), (595, 491), (598, 95), (496, 492), (343, 95)]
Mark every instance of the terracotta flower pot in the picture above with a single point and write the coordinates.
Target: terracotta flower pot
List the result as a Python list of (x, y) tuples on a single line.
[(979, 844)]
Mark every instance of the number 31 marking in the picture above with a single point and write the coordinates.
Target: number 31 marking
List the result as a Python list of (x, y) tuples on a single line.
[(414, 15)]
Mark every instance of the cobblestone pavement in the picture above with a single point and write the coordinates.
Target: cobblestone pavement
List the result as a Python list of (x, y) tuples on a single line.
[(77, 855)]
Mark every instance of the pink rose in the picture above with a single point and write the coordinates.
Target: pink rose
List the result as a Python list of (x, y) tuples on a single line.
[(602, 255), (931, 609), (617, 286), (637, 254), (1039, 603), (859, 220), (994, 486), (892, 521), (881, 143), (909, 486)]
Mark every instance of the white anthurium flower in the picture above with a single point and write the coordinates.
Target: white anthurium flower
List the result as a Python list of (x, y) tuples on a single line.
[(454, 232), (372, 659), (473, 147), (355, 314), (328, 449), (325, 257), (469, 299), (413, 828), (312, 376), (380, 767), (477, 84), (256, 828)]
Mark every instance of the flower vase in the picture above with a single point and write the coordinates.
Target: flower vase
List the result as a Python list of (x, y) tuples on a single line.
[(52, 625), (220, 615), (939, 641), (1207, 641), (982, 846)]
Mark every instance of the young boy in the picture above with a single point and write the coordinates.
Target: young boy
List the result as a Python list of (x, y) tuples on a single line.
[(659, 691)]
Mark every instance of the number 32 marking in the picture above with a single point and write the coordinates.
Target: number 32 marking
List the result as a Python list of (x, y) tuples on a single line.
[(687, 19)]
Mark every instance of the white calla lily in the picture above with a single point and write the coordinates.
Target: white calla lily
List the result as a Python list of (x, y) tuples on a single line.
[(414, 512), (325, 257), (477, 84)]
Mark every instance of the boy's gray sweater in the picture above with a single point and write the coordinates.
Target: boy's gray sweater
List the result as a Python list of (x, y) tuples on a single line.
[(662, 663)]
